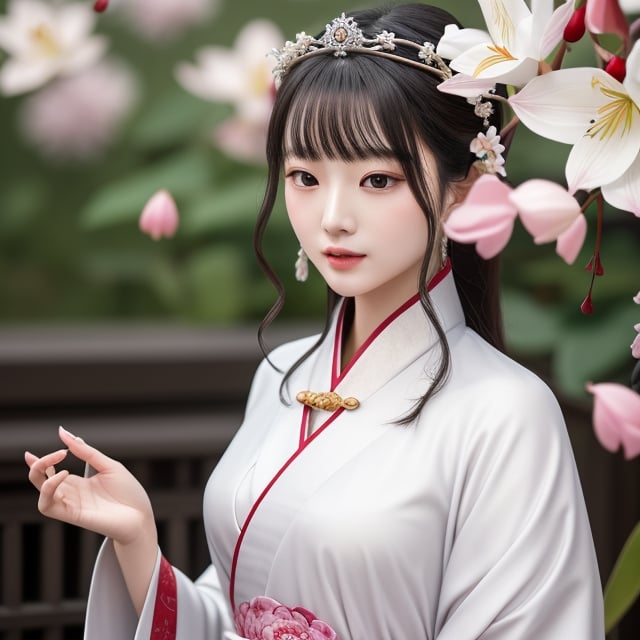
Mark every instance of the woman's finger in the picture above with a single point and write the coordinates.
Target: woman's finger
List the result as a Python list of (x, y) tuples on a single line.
[(80, 449), (49, 488), (38, 467)]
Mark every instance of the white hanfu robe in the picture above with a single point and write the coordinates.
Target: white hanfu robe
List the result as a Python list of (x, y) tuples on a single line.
[(467, 524)]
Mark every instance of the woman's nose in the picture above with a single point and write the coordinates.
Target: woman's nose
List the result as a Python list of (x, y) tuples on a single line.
[(337, 214)]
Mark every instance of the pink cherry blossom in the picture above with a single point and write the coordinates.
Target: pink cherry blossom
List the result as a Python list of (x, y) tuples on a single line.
[(266, 619), (549, 212), (636, 298), (605, 16), (76, 118), (486, 217), (635, 345), (616, 417), (160, 216)]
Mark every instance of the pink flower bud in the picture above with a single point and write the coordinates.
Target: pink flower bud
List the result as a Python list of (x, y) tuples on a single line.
[(159, 216), (100, 5), (606, 16), (617, 67), (575, 27)]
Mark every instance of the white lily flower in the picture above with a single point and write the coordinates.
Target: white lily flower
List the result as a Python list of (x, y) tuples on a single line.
[(518, 39), (241, 75), (44, 40), (600, 116)]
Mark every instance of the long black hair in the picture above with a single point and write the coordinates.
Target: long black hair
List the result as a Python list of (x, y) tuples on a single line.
[(361, 106)]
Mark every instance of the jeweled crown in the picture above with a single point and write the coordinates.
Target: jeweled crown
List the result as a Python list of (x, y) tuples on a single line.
[(342, 36)]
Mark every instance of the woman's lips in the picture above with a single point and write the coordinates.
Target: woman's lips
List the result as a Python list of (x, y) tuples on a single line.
[(342, 259)]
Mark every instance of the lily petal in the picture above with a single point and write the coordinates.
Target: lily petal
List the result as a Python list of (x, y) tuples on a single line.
[(486, 217), (561, 105), (497, 63), (546, 209), (466, 86), (632, 79), (17, 76), (608, 150), (554, 28), (616, 417), (502, 18), (570, 241), (455, 41), (624, 193)]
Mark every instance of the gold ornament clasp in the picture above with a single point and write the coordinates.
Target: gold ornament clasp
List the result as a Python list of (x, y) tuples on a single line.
[(326, 400)]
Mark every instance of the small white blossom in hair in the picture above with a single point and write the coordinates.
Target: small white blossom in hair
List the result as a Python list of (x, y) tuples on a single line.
[(385, 39), (488, 150)]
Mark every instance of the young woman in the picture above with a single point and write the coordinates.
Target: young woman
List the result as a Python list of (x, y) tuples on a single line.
[(397, 477)]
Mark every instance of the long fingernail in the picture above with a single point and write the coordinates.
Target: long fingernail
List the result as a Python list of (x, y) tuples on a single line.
[(61, 429)]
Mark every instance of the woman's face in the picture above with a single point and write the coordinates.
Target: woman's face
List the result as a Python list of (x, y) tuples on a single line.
[(359, 224)]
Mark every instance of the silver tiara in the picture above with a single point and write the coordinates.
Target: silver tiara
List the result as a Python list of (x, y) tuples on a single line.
[(342, 36)]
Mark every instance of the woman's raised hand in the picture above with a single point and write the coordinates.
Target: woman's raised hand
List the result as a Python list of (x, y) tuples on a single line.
[(111, 502)]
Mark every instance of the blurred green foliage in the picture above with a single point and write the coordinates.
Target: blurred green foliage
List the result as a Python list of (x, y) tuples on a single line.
[(70, 250)]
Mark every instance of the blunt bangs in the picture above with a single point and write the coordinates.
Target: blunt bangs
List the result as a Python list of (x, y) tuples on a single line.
[(334, 113)]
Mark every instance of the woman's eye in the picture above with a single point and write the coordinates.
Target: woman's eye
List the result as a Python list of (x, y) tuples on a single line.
[(303, 179), (378, 181)]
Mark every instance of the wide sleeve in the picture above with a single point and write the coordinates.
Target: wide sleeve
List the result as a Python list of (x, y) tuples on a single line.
[(520, 561), (175, 607)]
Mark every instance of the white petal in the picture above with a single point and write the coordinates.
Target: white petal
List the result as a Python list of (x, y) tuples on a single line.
[(465, 86), (554, 29), (455, 41), (600, 158), (19, 77), (561, 105), (624, 193), (218, 75), (632, 80), (502, 18), (484, 61), (74, 23), (256, 39)]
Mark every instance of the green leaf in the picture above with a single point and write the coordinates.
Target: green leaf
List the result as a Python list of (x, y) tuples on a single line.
[(623, 585), (216, 282), (170, 119), (592, 348), (531, 328), (233, 205), (122, 201)]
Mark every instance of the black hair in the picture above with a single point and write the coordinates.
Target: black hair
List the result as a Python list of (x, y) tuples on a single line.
[(360, 106)]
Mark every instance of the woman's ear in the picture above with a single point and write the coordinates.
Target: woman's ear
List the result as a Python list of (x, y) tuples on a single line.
[(457, 191)]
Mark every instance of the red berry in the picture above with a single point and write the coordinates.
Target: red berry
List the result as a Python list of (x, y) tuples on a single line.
[(617, 67), (100, 5), (575, 27)]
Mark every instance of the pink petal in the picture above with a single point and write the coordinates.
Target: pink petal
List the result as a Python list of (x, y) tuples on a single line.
[(486, 217), (571, 240), (636, 298), (616, 417), (605, 16), (546, 209), (159, 216)]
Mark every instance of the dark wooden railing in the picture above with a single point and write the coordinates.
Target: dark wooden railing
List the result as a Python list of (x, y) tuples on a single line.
[(166, 402)]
